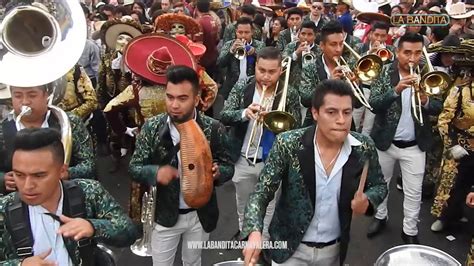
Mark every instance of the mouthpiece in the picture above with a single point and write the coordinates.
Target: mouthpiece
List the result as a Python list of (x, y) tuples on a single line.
[(25, 110)]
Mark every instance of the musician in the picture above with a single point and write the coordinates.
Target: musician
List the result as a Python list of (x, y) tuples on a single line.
[(238, 69), (152, 163), (319, 169), (398, 136), (79, 98), (246, 11), (323, 67), (455, 125), (377, 37), (241, 110), (49, 205), (296, 50), (294, 18), (82, 163), (316, 16)]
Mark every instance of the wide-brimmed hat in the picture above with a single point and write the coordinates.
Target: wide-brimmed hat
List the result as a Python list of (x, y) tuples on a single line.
[(347, 2), (110, 31), (450, 44), (197, 49), (150, 55), (166, 21), (469, 4), (369, 17), (459, 11), (4, 92), (434, 10)]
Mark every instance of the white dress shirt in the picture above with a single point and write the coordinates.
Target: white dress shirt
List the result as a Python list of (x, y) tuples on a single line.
[(326, 68), (44, 229), (20, 126), (243, 66), (253, 148), (325, 224), (406, 126)]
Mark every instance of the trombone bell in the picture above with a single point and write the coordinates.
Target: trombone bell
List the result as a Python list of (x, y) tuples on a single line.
[(369, 67), (279, 121)]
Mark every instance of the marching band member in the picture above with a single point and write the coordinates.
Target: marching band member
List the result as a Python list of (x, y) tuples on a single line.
[(318, 168), (397, 136), (246, 11), (241, 111), (238, 69), (316, 16), (50, 208), (152, 164), (456, 126), (298, 50), (294, 18), (82, 163)]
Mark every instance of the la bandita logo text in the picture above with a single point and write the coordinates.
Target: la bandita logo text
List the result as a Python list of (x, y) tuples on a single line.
[(420, 19)]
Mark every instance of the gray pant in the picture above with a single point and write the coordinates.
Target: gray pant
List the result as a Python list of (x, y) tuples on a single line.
[(305, 255), (245, 178)]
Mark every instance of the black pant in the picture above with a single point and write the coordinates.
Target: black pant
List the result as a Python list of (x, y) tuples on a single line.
[(462, 186)]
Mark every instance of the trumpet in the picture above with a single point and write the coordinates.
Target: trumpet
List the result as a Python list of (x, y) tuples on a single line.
[(241, 52), (307, 55), (384, 54), (358, 93), (433, 82)]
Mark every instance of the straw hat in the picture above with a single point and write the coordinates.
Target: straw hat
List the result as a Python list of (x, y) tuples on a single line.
[(110, 31), (459, 11)]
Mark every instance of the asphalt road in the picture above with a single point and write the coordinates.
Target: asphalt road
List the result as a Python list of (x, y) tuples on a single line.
[(362, 251)]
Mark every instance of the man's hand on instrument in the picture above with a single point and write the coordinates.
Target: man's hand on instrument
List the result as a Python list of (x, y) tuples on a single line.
[(75, 228), (405, 82), (237, 44), (166, 174), (39, 260), (10, 181), (458, 152), (359, 203), (251, 112), (252, 250), (470, 200), (303, 46), (215, 171), (376, 45), (337, 73), (251, 51)]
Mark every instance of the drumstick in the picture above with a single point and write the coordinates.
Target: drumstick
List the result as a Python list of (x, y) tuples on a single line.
[(363, 177)]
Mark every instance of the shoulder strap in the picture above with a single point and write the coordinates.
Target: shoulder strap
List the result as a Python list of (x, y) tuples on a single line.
[(9, 133), (18, 224), (76, 77)]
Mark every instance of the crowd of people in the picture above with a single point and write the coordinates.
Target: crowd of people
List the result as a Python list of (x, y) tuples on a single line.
[(306, 107)]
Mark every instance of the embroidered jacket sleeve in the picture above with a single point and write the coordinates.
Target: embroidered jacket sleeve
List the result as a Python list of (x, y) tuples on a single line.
[(309, 79), (141, 168), (447, 115), (225, 56), (87, 95), (124, 100), (111, 225), (232, 111), (104, 69), (281, 43), (8, 256), (229, 33), (289, 49), (382, 93), (82, 159)]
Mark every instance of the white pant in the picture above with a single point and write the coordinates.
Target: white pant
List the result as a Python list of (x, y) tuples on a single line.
[(369, 117), (412, 165), (245, 178), (165, 240), (305, 255)]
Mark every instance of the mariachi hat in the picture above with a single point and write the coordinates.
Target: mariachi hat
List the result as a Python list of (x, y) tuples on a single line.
[(166, 21), (369, 17), (469, 4), (150, 55), (110, 31), (450, 44), (347, 2), (459, 11), (303, 6), (197, 49), (4, 92)]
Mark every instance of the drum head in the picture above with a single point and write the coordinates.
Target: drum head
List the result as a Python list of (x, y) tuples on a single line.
[(415, 255)]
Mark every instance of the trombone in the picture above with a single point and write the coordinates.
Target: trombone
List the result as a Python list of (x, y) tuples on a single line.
[(433, 82), (277, 120)]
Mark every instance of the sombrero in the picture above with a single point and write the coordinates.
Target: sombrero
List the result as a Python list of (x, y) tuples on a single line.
[(166, 21), (110, 31), (450, 44), (369, 17), (4, 92), (459, 11), (150, 55), (303, 6), (197, 49)]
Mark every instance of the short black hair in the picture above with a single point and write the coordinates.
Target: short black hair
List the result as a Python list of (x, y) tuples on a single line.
[(410, 37), (243, 21), (440, 32), (108, 7), (294, 11), (330, 86), (271, 53), (177, 74), (331, 27), (379, 25), (249, 10), (310, 25), (30, 139), (203, 6), (122, 10), (259, 20)]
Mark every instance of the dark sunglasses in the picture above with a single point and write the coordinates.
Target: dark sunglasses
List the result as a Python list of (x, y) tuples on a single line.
[(318, 7)]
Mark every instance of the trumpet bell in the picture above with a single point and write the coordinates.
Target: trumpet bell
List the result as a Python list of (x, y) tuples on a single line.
[(43, 41), (384, 54), (435, 82), (240, 53), (279, 121), (369, 67)]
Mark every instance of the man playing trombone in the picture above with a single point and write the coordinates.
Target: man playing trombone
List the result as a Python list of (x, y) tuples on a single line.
[(249, 101), (400, 107)]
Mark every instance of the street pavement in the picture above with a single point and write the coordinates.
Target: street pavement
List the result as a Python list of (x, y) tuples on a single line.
[(362, 251)]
